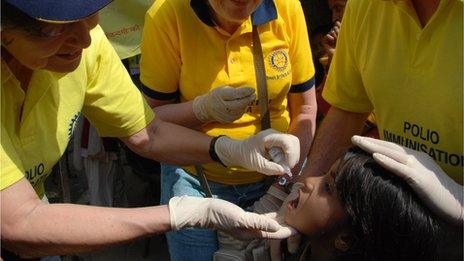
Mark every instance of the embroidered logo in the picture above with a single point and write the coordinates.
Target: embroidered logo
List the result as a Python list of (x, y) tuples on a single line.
[(278, 60), (72, 124)]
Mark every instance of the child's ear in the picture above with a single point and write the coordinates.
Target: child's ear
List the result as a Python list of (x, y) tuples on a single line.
[(343, 242)]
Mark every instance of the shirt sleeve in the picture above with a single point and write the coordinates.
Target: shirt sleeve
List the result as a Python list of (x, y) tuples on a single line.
[(344, 87), (113, 104), (11, 168), (160, 62), (300, 50)]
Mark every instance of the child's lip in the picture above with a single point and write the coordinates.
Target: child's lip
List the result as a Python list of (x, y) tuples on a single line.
[(293, 203)]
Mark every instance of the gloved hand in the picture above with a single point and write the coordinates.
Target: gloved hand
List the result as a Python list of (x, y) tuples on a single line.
[(442, 194), (215, 213), (293, 238), (252, 153), (223, 104), (270, 204)]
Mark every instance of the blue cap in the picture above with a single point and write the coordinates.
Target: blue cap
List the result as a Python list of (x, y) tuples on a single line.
[(59, 11)]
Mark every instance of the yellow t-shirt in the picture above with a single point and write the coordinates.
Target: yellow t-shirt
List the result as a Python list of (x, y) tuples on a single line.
[(37, 125), (411, 75), (183, 56)]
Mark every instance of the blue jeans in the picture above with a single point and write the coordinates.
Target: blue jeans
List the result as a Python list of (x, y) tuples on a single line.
[(200, 244)]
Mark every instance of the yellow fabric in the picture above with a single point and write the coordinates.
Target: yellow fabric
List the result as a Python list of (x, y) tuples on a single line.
[(37, 125), (181, 53), (122, 22), (411, 76)]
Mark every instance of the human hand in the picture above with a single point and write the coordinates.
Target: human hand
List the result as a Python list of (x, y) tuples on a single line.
[(293, 237), (215, 213), (330, 39), (439, 192), (223, 104), (252, 153)]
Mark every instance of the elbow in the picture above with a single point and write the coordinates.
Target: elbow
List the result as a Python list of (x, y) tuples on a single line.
[(143, 142)]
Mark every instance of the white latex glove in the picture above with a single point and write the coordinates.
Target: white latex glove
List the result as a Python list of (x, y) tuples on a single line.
[(223, 104), (252, 153), (215, 213), (293, 238), (441, 194)]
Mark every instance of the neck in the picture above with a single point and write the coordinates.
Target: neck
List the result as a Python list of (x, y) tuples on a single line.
[(425, 9), (22, 73), (228, 26)]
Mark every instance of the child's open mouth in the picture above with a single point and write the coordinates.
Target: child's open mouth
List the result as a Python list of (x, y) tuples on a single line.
[(293, 204)]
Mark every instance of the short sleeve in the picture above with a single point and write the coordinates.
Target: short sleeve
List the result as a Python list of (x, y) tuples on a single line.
[(160, 62), (344, 87), (113, 104)]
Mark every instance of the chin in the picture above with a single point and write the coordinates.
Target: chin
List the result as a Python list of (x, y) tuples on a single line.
[(289, 220), (63, 67)]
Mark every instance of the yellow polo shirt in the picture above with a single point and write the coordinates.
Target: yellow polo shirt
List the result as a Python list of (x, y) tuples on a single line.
[(185, 55), (37, 125), (411, 75)]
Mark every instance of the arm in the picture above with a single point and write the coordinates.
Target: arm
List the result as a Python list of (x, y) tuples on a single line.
[(170, 143), (167, 142), (177, 113), (33, 228), (332, 138), (223, 104), (303, 109)]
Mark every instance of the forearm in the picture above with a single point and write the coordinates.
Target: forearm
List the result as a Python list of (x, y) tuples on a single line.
[(33, 228), (179, 113), (303, 111), (166, 142), (332, 138), (303, 126), (64, 228)]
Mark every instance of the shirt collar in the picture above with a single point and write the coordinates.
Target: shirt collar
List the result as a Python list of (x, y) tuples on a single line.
[(265, 12), (6, 72)]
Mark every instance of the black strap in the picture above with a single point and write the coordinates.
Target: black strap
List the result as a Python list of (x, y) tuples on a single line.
[(203, 181), (261, 83)]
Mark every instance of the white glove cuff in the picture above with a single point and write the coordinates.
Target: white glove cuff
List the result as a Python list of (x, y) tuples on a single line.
[(199, 109), (222, 148), (172, 214)]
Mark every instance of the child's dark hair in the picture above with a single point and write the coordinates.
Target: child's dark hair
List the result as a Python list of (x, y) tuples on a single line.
[(388, 220)]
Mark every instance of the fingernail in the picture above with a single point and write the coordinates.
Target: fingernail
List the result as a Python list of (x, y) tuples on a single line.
[(355, 138), (379, 157)]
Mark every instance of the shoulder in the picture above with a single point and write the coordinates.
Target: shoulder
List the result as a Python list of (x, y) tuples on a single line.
[(361, 11)]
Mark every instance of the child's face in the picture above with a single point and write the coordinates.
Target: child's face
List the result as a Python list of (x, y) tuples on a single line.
[(317, 208), (338, 8)]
